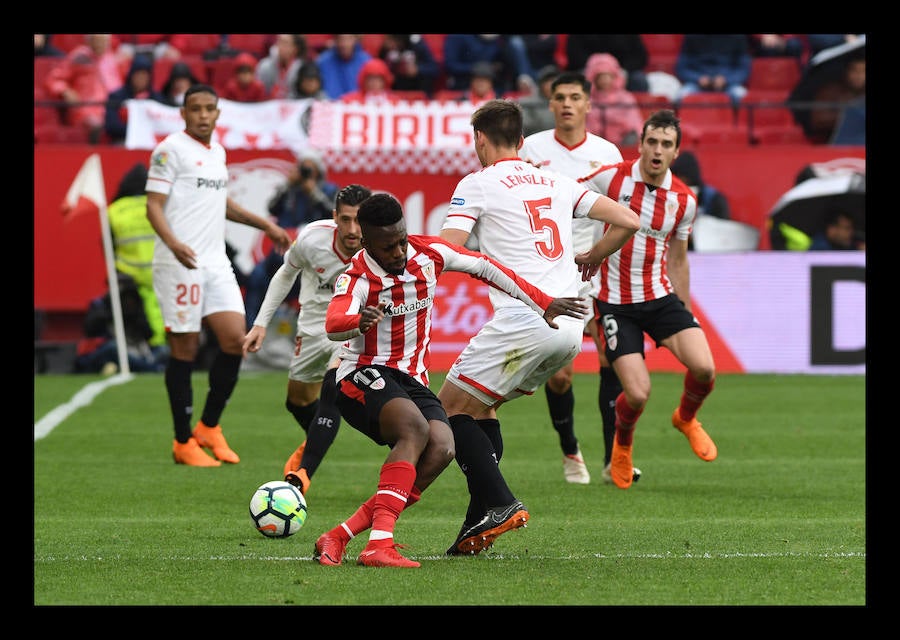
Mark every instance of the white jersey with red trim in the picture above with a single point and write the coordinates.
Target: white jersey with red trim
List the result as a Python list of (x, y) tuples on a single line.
[(401, 340), (545, 149), (315, 257), (637, 271), (522, 216), (194, 176)]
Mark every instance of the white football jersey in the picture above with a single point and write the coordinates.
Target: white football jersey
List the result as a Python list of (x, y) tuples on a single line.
[(194, 176), (522, 217), (586, 157), (315, 257)]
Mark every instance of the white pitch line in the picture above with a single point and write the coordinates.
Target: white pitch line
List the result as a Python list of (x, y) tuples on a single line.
[(500, 556), (83, 398)]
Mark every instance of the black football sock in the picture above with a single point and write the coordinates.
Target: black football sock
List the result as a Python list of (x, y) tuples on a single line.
[(223, 377), (610, 388), (491, 426), (324, 426), (562, 407), (476, 457), (181, 396), (303, 415)]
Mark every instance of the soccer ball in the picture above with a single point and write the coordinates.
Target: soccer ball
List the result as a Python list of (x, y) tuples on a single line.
[(278, 509)]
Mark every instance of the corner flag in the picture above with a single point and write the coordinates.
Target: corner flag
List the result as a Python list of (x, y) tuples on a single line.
[(88, 195)]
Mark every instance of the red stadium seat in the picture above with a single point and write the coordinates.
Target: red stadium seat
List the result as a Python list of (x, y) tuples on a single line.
[(196, 44), (709, 118), (650, 102), (774, 74), (662, 51), (256, 43), (371, 42), (436, 42), (162, 67), (318, 42), (768, 119), (67, 41)]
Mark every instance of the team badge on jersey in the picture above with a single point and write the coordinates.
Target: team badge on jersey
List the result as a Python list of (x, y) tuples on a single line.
[(342, 284), (160, 159)]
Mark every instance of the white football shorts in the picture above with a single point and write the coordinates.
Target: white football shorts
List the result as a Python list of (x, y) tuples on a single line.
[(312, 355), (186, 296), (514, 353)]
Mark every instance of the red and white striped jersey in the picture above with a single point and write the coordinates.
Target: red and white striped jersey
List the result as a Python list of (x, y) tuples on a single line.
[(402, 338), (637, 271)]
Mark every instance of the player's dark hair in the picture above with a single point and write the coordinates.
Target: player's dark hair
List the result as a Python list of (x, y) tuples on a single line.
[(500, 121), (379, 210), (199, 88), (663, 119), (571, 77), (351, 195)]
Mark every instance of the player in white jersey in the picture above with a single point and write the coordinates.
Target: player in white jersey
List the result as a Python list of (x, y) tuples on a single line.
[(522, 216), (319, 254), (570, 149), (645, 288), (187, 205), (382, 309)]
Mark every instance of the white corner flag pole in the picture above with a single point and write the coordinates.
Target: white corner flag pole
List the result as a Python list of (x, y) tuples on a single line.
[(86, 192), (111, 275)]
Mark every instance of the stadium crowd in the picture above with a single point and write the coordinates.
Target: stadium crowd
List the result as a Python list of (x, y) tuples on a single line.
[(80, 77)]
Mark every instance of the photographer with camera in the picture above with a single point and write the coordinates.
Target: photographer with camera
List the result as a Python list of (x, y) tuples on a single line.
[(307, 196)]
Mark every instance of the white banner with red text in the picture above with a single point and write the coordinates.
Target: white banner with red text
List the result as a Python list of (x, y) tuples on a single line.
[(274, 124)]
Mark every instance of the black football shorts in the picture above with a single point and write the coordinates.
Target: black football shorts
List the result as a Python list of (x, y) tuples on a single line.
[(623, 325), (362, 394)]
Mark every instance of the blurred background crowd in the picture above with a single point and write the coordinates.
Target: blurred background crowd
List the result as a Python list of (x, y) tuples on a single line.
[(754, 88)]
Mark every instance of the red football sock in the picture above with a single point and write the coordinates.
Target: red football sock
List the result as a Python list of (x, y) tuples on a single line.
[(394, 487), (694, 394), (362, 519), (626, 417)]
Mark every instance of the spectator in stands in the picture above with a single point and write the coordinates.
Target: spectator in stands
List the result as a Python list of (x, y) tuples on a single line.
[(180, 79), (536, 114), (374, 84), (98, 352), (307, 196), (627, 48), (340, 64), (847, 91), (819, 41), (540, 50), (278, 71), (614, 113), (309, 82), (714, 62), (243, 85), (138, 86), (43, 46), (710, 201), (411, 61), (777, 45), (839, 233), (83, 80), (481, 84), (510, 65)]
